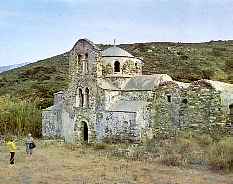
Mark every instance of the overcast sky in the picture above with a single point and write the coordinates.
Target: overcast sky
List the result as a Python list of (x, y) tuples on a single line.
[(37, 29)]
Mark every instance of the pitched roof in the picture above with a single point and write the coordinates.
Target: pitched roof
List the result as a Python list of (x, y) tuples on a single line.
[(221, 86), (225, 89), (106, 84), (139, 83), (145, 82)]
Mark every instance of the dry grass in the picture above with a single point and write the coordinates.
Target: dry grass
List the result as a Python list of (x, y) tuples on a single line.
[(60, 164), (220, 155)]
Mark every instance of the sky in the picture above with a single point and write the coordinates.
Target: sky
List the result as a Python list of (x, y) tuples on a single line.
[(36, 29)]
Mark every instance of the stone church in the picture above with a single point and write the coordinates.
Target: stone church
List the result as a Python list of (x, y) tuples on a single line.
[(109, 98)]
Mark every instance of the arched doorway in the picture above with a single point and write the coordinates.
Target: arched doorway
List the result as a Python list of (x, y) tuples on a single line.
[(84, 131), (231, 109), (231, 114)]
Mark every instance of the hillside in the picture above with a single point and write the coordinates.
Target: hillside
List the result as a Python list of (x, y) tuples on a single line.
[(183, 61), (38, 80), (10, 67)]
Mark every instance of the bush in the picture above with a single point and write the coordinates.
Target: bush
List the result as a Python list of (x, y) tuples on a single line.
[(19, 117), (220, 154)]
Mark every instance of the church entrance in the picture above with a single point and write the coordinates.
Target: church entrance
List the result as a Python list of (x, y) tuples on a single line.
[(231, 114), (231, 109), (84, 131)]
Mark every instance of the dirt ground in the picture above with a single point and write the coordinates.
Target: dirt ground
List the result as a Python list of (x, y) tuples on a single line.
[(59, 164)]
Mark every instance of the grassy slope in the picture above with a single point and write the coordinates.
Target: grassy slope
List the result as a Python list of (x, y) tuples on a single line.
[(39, 80), (184, 62)]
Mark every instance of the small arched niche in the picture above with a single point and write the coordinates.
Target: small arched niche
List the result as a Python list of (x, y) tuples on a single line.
[(116, 66)]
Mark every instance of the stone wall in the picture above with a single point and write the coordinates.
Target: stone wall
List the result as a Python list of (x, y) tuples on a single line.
[(124, 102), (117, 126), (197, 106), (68, 122), (52, 121)]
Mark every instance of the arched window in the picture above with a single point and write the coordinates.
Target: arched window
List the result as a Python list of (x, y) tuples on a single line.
[(81, 100), (77, 98), (169, 98), (85, 63), (86, 98), (117, 66), (86, 56), (79, 58), (84, 66), (185, 101)]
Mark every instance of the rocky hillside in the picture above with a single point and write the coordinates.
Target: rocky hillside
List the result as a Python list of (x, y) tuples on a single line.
[(183, 61)]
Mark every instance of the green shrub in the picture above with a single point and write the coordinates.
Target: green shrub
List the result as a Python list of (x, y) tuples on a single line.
[(19, 117), (220, 154)]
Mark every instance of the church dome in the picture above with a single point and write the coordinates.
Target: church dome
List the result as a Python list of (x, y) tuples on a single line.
[(116, 52)]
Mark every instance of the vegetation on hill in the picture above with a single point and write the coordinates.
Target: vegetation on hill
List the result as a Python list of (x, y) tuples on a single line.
[(38, 80)]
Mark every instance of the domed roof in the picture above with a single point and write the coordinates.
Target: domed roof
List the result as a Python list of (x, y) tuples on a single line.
[(117, 52)]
